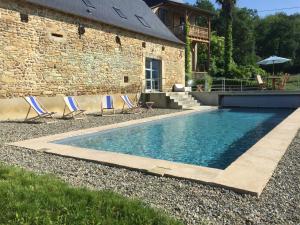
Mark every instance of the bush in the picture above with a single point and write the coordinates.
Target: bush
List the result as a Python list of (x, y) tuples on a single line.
[(247, 72)]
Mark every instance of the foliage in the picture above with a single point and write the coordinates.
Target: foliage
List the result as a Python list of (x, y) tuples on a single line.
[(246, 72), (188, 53), (202, 56), (253, 39), (293, 83), (31, 199), (217, 56), (279, 35), (205, 5), (228, 49), (243, 36), (227, 8), (208, 82)]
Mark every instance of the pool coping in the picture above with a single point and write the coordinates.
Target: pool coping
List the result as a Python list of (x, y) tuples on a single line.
[(249, 173)]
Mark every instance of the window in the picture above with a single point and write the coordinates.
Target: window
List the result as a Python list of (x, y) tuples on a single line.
[(143, 21), (126, 79), (120, 13), (88, 4), (153, 75)]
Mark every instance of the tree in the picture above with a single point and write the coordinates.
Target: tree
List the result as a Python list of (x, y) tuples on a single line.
[(279, 35), (227, 8), (206, 5), (243, 35), (188, 54), (217, 56)]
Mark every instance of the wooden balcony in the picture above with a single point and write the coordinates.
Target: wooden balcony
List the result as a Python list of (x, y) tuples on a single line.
[(196, 33), (199, 33)]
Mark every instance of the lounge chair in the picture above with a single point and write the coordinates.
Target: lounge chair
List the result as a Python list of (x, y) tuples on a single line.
[(74, 111), (131, 107), (262, 85), (38, 108), (107, 103)]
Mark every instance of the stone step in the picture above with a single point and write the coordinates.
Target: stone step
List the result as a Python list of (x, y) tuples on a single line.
[(176, 93), (193, 102), (183, 99), (180, 96)]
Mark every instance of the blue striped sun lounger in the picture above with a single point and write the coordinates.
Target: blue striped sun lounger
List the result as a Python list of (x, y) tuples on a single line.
[(130, 106), (107, 103), (38, 108), (72, 105)]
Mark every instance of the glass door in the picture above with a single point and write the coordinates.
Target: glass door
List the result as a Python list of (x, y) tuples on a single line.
[(153, 75)]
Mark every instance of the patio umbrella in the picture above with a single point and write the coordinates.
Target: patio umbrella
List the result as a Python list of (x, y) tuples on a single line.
[(273, 60)]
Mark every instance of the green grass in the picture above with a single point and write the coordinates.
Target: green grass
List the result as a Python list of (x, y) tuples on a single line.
[(293, 83), (26, 198)]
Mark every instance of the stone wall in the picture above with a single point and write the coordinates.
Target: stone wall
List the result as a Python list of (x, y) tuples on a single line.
[(46, 56)]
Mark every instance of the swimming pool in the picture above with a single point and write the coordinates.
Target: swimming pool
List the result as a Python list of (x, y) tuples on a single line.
[(212, 138)]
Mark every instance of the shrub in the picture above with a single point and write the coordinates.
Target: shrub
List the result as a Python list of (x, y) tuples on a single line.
[(247, 72)]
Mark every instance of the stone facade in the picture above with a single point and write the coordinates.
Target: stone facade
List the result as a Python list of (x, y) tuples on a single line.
[(46, 56)]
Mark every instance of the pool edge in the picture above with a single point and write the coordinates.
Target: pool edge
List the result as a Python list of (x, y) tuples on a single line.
[(249, 173)]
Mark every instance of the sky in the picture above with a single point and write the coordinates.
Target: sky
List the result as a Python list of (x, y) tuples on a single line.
[(262, 5)]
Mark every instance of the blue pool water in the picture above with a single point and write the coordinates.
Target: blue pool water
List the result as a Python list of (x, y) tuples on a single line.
[(212, 138)]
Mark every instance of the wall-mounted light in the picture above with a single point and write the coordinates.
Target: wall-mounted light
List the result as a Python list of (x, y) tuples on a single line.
[(118, 40), (81, 30), (24, 17)]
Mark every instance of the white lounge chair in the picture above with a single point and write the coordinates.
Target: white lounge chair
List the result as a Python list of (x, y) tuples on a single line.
[(38, 108), (135, 108), (181, 88), (72, 105), (107, 103)]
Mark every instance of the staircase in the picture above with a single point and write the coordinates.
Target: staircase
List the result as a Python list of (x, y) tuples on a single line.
[(183, 100)]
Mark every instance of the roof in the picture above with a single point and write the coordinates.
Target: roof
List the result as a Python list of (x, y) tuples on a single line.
[(178, 3), (133, 15)]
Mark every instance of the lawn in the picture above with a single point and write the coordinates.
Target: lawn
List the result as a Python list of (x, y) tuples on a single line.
[(27, 198), (293, 83)]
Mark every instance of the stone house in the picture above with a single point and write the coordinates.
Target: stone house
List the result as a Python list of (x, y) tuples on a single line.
[(85, 47), (175, 14)]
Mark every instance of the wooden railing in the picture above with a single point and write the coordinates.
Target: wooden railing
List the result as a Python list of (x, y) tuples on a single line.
[(196, 32)]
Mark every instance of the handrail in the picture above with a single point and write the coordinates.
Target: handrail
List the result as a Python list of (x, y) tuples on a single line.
[(240, 85)]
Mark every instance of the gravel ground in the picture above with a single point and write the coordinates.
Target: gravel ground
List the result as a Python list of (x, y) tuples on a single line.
[(190, 202)]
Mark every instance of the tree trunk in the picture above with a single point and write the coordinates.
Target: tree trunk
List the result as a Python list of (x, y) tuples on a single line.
[(228, 46), (188, 53)]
